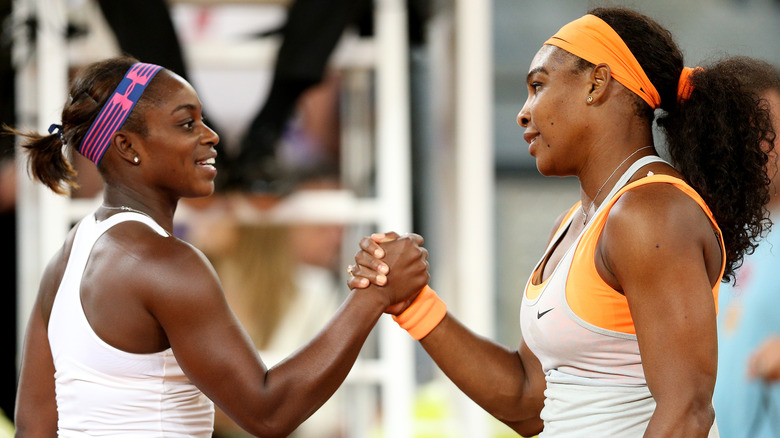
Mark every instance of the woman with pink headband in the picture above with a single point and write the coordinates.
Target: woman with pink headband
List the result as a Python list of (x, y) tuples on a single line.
[(131, 334), (619, 316)]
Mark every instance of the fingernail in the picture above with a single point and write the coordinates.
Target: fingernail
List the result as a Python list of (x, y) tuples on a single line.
[(381, 280), (379, 253), (383, 268), (363, 282)]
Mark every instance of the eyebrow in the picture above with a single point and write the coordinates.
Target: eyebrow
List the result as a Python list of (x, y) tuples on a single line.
[(534, 71), (186, 106)]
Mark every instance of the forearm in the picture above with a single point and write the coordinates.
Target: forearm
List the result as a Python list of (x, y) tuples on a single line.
[(490, 374), (684, 419), (303, 382)]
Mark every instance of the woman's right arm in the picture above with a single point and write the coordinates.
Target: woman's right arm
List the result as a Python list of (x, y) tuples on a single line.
[(509, 384), (218, 356)]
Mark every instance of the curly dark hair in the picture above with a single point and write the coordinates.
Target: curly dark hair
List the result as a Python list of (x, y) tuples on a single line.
[(88, 93), (719, 138)]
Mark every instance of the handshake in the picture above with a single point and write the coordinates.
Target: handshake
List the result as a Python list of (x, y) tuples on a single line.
[(396, 268)]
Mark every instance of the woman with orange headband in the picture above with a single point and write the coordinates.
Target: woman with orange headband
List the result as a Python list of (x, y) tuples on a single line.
[(619, 316)]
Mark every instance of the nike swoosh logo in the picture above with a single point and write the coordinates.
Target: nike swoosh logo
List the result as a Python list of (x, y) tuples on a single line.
[(541, 314)]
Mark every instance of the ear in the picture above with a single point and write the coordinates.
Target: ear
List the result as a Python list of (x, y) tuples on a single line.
[(123, 143), (600, 78)]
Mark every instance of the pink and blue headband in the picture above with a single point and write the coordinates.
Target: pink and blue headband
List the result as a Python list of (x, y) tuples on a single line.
[(116, 110)]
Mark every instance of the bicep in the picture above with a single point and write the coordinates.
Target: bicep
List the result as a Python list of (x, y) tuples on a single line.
[(674, 317), (658, 258), (209, 342)]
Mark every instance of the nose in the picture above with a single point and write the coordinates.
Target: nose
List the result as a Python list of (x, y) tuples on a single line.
[(524, 116), (210, 136)]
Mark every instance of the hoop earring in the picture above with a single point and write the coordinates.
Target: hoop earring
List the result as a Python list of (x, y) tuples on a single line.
[(589, 100)]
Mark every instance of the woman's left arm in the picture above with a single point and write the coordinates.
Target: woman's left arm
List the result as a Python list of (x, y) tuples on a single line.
[(659, 248)]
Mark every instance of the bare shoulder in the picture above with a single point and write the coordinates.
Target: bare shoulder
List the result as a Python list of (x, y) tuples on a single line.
[(155, 263), (655, 210), (654, 228)]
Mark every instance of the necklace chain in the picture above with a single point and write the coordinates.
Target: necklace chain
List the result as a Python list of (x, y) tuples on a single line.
[(585, 211), (130, 209), (124, 208)]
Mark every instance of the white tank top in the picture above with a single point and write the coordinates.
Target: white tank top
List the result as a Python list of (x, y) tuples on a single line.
[(104, 391), (596, 385)]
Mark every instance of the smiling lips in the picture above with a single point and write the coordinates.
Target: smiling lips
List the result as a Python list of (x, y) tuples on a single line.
[(207, 162)]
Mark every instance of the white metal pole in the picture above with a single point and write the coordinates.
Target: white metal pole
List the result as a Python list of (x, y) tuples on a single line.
[(394, 192), (42, 217), (475, 178)]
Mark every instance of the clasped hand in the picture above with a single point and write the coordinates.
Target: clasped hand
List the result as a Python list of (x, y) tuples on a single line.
[(393, 265)]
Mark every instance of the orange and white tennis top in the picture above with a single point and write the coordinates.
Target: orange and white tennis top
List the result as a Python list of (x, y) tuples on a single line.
[(582, 332)]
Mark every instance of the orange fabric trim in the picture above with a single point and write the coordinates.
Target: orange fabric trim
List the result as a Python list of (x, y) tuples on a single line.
[(423, 315), (593, 40), (588, 296), (532, 291)]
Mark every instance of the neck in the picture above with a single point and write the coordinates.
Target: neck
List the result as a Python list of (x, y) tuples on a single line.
[(615, 132), (162, 213), (590, 202)]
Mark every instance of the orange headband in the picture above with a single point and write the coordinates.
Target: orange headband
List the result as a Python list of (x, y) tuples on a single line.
[(593, 40)]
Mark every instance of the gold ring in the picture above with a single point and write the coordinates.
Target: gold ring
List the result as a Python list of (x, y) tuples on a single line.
[(351, 270)]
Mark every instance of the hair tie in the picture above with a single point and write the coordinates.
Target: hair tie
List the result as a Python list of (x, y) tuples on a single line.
[(116, 110), (56, 129), (684, 84), (592, 39)]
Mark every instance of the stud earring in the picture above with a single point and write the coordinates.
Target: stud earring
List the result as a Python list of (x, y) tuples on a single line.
[(589, 99), (136, 160)]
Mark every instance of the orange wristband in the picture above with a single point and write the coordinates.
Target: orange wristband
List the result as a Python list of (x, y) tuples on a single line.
[(423, 315)]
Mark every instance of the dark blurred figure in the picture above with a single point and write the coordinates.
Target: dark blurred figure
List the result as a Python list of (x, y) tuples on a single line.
[(309, 36), (157, 44), (8, 224)]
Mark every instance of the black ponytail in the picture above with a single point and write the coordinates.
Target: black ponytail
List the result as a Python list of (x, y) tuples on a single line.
[(88, 93), (719, 138), (47, 162)]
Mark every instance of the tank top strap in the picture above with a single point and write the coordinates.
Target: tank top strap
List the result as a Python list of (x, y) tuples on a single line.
[(132, 216), (626, 176)]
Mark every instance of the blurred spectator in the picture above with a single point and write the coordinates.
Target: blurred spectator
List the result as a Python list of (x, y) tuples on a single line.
[(281, 282), (746, 400)]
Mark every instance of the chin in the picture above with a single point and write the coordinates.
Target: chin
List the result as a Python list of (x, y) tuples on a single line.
[(202, 192), (543, 168)]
